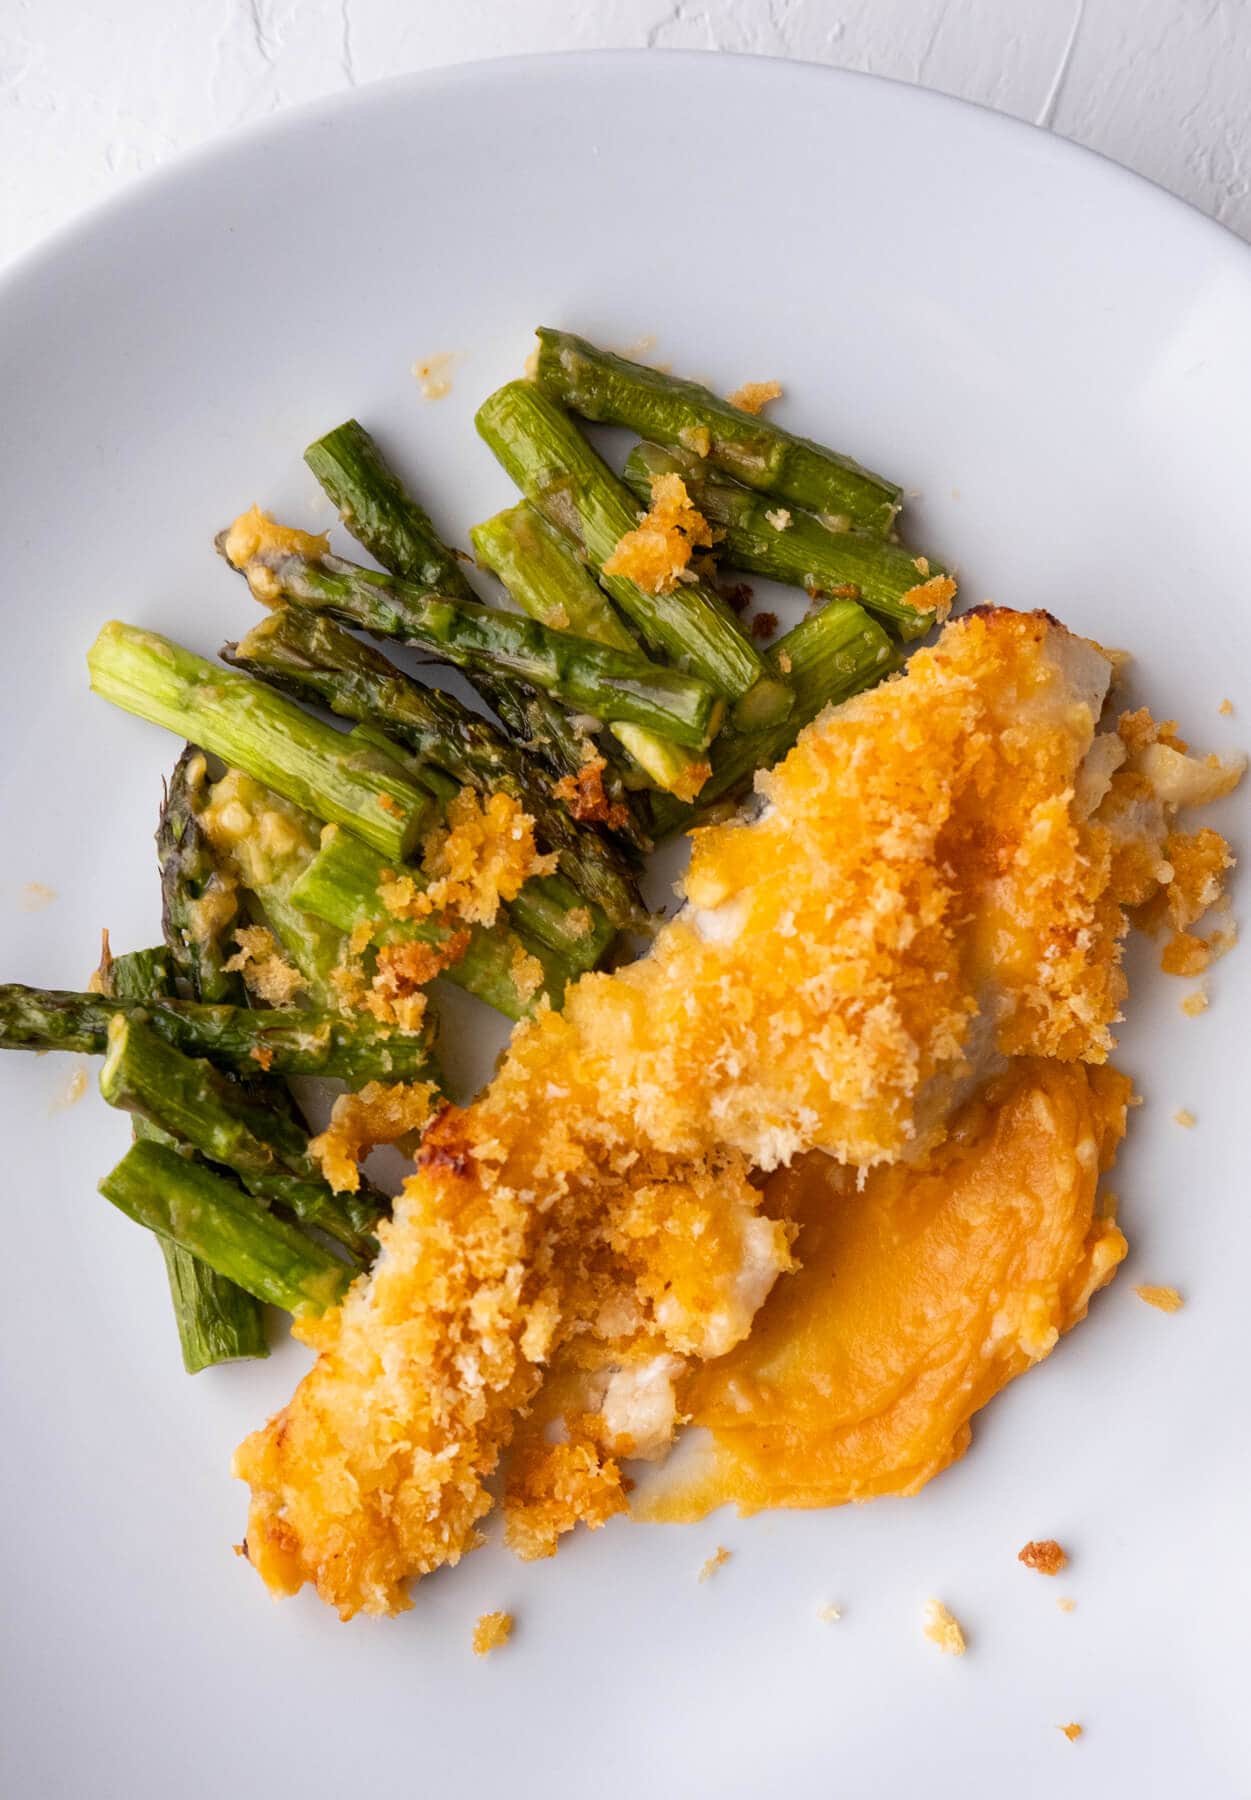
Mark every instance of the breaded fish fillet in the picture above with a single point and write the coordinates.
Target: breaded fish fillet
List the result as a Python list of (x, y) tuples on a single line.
[(925, 892)]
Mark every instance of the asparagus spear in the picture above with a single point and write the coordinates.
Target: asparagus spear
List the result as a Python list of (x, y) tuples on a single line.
[(795, 547), (312, 656), (611, 684), (199, 899), (217, 1321), (284, 1041), (545, 905), (194, 1104), (249, 726), (558, 471), (341, 885), (539, 569), (685, 415), (211, 1216), (828, 657), (381, 514)]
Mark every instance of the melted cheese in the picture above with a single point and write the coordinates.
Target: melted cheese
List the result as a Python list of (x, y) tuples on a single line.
[(917, 1299)]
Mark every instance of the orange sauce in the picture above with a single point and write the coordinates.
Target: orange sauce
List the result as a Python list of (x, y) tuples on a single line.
[(918, 1297)]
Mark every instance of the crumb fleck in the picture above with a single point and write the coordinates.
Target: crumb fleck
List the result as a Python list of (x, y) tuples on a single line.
[(784, 662), (754, 396), (1072, 1730), (1195, 1003), (778, 517), (1045, 1555), (921, 564), (492, 1631), (1225, 709), (829, 1614), (72, 1092), (1164, 1299), (36, 895), (1066, 1605), (717, 1560), (434, 375), (764, 624), (941, 1627), (1184, 1116)]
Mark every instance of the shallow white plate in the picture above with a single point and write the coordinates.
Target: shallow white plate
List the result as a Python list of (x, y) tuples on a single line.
[(1057, 357)]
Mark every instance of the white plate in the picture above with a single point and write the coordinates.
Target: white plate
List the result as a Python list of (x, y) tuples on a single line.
[(1057, 357)]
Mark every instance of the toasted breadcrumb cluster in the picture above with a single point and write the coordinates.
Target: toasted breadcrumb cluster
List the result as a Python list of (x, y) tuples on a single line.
[(1045, 1555), (492, 1631), (931, 882), (380, 1113), (717, 1560), (1164, 1299), (583, 793), (265, 970), (754, 396), (656, 555)]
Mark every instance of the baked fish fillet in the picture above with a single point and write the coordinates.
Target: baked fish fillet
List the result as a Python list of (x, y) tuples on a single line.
[(924, 893)]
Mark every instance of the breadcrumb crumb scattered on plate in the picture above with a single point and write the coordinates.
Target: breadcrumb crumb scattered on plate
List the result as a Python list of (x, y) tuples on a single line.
[(491, 1632), (1225, 709), (434, 375), (1184, 1116), (1072, 1730), (719, 1557), (36, 895), (1045, 1555), (829, 1613), (1065, 1604), (941, 1627), (754, 396), (1195, 1003), (1164, 1299)]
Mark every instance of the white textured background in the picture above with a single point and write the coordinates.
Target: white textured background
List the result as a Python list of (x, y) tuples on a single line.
[(94, 91)]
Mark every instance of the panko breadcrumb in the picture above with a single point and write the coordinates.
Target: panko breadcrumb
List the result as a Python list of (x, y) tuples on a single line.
[(941, 1627), (265, 970), (931, 885), (1072, 1731), (829, 1614), (1184, 1117), (717, 1560), (1164, 1299), (1195, 1003), (1043, 1554), (656, 555), (1066, 1604), (378, 1114), (754, 396), (36, 895), (492, 1631)]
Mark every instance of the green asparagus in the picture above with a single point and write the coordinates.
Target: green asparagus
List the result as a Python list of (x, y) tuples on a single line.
[(285, 1041), (685, 415), (537, 565), (611, 684), (211, 1216), (381, 514), (558, 471), (196, 1105), (199, 899), (256, 730), (310, 655), (795, 547), (217, 1322), (828, 657)]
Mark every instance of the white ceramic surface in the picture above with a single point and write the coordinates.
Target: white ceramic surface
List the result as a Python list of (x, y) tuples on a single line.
[(1056, 356)]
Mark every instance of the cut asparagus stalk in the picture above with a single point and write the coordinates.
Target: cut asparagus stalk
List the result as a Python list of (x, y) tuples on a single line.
[(795, 547), (341, 885), (249, 726), (611, 684), (310, 655), (685, 415), (831, 655), (199, 899), (214, 1219), (195, 1104), (285, 1041), (217, 1321), (537, 565), (558, 471), (381, 514)]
